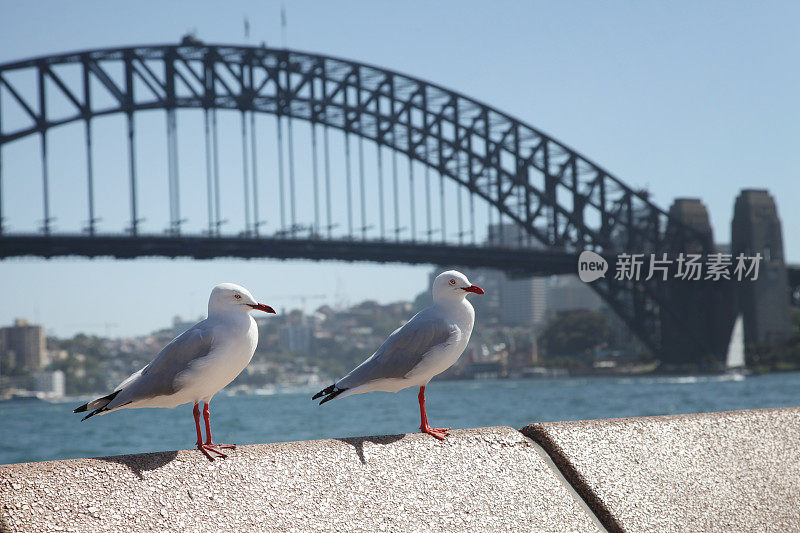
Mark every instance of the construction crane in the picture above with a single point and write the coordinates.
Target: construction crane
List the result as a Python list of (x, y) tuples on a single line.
[(302, 298), (107, 325)]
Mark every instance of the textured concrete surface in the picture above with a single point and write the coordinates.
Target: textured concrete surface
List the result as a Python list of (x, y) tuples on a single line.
[(732, 471), (477, 480)]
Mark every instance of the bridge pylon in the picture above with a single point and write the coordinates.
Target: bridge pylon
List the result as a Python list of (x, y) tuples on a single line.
[(763, 302), (697, 320)]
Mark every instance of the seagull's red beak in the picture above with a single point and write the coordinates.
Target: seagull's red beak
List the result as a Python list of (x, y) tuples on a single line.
[(473, 288), (262, 307)]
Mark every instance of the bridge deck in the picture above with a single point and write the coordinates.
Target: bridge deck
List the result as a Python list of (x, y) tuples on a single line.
[(531, 261)]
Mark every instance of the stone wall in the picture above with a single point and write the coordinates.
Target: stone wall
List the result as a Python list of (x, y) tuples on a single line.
[(737, 471)]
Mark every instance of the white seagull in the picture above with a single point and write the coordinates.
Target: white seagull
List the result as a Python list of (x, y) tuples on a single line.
[(195, 365), (425, 346)]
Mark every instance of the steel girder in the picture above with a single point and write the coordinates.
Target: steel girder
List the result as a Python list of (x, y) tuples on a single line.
[(564, 200)]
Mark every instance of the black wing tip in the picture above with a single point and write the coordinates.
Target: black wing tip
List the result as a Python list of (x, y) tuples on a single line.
[(330, 393), (85, 406), (328, 398), (323, 392), (95, 412), (90, 415)]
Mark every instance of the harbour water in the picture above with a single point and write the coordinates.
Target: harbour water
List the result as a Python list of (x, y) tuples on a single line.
[(38, 431)]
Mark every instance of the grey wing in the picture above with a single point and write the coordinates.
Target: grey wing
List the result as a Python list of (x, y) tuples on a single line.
[(402, 351), (158, 377)]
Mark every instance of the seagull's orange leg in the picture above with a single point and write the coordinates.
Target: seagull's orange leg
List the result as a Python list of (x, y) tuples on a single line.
[(439, 433)]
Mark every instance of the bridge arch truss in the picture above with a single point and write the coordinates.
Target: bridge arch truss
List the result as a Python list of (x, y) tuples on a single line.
[(557, 196)]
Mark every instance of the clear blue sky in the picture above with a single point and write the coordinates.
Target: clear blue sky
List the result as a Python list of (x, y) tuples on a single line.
[(683, 98)]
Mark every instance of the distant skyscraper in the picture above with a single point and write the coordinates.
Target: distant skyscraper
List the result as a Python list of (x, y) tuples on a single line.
[(296, 333), (568, 293), (7, 357), (24, 344), (510, 235), (523, 301)]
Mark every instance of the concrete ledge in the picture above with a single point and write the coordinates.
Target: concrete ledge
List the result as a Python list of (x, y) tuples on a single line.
[(731, 471), (734, 471), (482, 479)]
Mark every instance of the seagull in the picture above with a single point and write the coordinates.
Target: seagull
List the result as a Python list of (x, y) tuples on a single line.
[(425, 346), (195, 365)]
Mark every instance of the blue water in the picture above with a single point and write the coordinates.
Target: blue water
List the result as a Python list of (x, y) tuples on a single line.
[(36, 431)]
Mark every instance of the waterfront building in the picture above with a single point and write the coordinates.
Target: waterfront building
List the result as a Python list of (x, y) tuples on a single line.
[(23, 346), (296, 333), (51, 384)]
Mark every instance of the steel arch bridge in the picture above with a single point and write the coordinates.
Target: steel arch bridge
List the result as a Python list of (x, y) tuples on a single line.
[(551, 192)]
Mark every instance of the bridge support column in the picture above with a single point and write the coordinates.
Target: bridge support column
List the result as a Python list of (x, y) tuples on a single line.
[(696, 323)]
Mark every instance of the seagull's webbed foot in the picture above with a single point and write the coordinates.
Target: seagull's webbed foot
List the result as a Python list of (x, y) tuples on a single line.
[(439, 433), (211, 451)]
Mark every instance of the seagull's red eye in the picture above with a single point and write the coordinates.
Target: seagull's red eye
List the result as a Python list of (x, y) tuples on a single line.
[(452, 282), (237, 296)]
